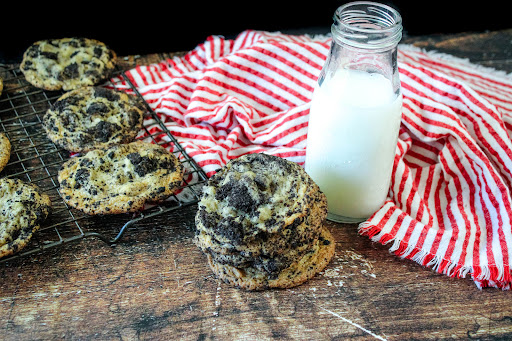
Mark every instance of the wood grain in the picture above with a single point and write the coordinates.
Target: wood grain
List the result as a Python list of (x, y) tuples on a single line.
[(155, 284)]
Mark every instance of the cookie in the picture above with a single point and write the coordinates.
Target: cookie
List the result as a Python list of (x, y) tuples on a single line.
[(298, 272), (270, 264), (23, 208), (5, 150), (120, 179), (67, 63), (258, 218), (93, 118), (257, 195), (302, 231)]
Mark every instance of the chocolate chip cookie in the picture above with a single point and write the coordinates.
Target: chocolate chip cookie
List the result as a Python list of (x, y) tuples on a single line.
[(22, 210), (67, 63), (259, 216), (93, 117), (297, 271), (120, 179)]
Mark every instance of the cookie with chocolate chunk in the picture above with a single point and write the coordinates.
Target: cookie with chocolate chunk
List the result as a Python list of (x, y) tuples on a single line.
[(93, 117), (120, 179), (260, 214), (295, 272), (22, 210), (257, 195), (264, 244), (67, 63), (5, 150), (269, 264)]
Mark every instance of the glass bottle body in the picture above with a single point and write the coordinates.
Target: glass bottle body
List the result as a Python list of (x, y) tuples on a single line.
[(354, 123)]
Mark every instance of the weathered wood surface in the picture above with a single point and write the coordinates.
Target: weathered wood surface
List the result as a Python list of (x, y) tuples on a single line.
[(155, 284)]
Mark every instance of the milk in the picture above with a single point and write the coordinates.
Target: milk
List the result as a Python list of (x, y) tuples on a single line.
[(352, 135)]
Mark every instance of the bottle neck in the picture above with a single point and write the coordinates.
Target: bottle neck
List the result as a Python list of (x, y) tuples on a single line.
[(367, 25)]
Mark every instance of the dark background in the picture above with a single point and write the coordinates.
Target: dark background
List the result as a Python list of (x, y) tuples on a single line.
[(152, 27)]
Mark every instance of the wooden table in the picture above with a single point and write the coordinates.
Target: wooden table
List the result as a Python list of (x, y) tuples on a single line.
[(155, 283)]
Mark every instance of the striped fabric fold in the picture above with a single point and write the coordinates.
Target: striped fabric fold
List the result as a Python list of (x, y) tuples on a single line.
[(449, 206)]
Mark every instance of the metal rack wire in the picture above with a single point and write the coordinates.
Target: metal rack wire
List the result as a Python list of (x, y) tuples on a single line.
[(35, 159)]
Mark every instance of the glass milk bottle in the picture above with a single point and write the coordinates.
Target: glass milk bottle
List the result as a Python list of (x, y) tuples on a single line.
[(355, 112)]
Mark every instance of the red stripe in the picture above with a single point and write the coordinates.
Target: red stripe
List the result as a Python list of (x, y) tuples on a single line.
[(265, 64), (379, 226), (396, 226), (240, 91), (459, 202), (421, 157), (245, 35), (428, 193), (401, 187), (308, 48), (453, 85), (273, 81), (451, 67), (396, 161), (286, 133), (427, 146), (301, 71), (410, 199), (472, 204)]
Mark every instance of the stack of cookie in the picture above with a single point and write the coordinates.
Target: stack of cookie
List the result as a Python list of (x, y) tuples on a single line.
[(260, 224)]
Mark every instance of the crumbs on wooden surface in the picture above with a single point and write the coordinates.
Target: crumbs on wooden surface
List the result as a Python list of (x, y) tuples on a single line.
[(345, 264)]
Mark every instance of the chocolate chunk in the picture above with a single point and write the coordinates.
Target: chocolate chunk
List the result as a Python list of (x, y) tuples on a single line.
[(209, 220), (98, 52), (49, 55), (103, 131), (97, 107), (135, 158), (110, 95), (71, 71), (142, 164), (133, 117), (85, 138), (81, 177), (238, 196), (62, 104), (86, 163), (74, 43), (33, 51), (271, 267), (28, 65), (231, 229)]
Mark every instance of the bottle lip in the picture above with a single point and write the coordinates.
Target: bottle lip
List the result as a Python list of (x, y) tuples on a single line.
[(367, 24)]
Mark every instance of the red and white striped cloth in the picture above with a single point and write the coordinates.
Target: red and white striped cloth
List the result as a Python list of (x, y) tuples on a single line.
[(449, 206)]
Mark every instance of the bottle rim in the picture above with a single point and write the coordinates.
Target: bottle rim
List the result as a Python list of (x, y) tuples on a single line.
[(367, 24)]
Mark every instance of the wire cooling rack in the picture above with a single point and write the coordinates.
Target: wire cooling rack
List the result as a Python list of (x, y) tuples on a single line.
[(35, 159)]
